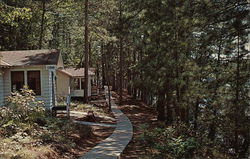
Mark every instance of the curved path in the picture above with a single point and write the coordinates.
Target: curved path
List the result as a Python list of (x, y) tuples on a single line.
[(113, 146)]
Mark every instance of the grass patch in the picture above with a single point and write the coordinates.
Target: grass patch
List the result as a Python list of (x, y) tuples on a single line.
[(78, 106)]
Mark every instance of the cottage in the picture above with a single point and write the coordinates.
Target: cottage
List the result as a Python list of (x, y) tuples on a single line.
[(43, 71), (72, 82)]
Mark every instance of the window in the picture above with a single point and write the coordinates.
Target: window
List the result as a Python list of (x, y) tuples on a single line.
[(34, 81), (82, 83), (76, 83), (17, 80)]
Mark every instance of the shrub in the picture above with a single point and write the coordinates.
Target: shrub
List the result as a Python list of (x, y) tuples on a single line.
[(84, 130), (24, 107), (21, 112), (168, 143), (25, 119)]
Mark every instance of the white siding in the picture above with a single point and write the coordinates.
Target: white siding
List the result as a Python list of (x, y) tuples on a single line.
[(1, 88), (62, 84), (49, 90), (45, 88), (80, 93), (89, 85), (6, 83)]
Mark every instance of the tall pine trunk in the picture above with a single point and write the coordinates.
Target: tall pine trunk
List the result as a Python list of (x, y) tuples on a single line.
[(86, 60), (103, 66), (42, 25), (161, 105), (212, 127), (121, 53), (237, 98)]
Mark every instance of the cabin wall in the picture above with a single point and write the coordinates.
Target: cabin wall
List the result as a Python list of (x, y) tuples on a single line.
[(63, 84), (80, 93), (89, 85), (45, 83), (1, 88)]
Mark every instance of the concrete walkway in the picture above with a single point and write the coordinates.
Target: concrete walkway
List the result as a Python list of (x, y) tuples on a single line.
[(94, 124), (113, 146)]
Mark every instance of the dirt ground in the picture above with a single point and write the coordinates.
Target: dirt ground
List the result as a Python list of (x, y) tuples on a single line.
[(84, 144), (138, 113)]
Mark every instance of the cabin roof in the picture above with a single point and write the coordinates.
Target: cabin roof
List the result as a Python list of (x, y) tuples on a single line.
[(4, 64), (77, 72), (29, 57)]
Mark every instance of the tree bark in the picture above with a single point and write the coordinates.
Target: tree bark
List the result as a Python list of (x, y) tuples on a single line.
[(161, 109), (103, 67), (86, 63), (212, 127), (108, 79), (237, 91), (196, 112), (121, 53), (42, 24), (161, 106)]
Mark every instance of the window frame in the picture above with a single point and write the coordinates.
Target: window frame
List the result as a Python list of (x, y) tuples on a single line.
[(26, 77), (78, 83), (11, 85), (40, 91)]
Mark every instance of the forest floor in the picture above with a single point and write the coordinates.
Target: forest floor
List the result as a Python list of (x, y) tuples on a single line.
[(139, 113), (98, 133), (83, 144), (82, 138), (64, 142)]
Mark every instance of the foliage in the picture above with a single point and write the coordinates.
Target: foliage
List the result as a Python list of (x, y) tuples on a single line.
[(10, 15), (188, 59), (177, 141), (21, 112), (24, 121)]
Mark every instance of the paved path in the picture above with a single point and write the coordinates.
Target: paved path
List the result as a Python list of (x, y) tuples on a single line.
[(95, 124), (113, 146), (73, 113)]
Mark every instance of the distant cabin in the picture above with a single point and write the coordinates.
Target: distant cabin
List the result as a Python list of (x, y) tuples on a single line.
[(42, 71), (72, 82)]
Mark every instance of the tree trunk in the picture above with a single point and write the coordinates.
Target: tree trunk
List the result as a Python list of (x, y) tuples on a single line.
[(121, 54), (196, 112), (90, 54), (86, 63), (161, 106), (212, 127), (108, 79), (42, 25), (97, 75), (103, 67), (129, 84), (169, 110), (237, 98)]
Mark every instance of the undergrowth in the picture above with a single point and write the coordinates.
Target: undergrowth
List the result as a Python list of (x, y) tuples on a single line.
[(25, 128)]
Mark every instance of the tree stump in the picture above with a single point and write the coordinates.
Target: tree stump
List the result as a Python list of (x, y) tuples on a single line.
[(91, 116)]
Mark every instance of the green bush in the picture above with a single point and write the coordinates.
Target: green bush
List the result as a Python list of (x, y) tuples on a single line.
[(168, 143), (84, 130), (24, 119), (21, 112)]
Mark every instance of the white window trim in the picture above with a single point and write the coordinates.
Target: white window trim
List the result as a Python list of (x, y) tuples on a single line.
[(26, 78), (80, 83)]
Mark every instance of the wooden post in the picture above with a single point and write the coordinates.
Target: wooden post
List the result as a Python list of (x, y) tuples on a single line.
[(68, 105)]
